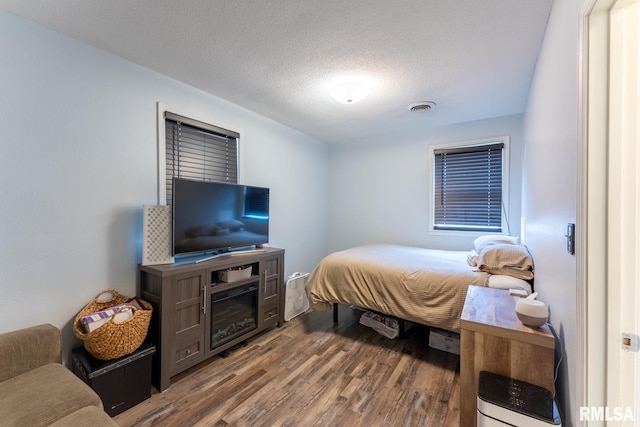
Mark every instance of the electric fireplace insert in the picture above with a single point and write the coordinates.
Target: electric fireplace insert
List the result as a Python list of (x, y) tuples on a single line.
[(234, 312)]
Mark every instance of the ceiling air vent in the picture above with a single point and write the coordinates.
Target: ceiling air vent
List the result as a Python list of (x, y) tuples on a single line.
[(421, 107)]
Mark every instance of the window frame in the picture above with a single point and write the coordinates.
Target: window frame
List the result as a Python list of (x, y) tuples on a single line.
[(161, 143), (505, 140)]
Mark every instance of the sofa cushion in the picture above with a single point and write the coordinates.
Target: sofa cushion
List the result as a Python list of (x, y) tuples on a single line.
[(89, 416), (23, 350), (44, 395)]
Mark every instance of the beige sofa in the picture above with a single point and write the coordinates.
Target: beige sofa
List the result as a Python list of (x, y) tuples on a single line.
[(37, 390)]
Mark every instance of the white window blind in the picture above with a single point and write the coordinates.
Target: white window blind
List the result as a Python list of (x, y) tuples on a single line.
[(256, 202), (468, 188), (199, 150)]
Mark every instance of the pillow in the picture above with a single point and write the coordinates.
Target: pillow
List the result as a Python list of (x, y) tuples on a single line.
[(508, 282), (232, 225), (493, 239), (472, 258), (222, 232), (197, 231), (508, 259)]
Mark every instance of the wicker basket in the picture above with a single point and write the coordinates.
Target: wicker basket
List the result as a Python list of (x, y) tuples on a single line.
[(113, 339)]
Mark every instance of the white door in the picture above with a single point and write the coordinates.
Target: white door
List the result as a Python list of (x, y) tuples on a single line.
[(624, 205), (611, 198)]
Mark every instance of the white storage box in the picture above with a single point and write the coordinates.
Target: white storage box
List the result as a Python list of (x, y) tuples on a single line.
[(234, 274), (387, 326), (444, 340)]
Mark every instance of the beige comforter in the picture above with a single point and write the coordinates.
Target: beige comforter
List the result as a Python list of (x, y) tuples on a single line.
[(426, 286)]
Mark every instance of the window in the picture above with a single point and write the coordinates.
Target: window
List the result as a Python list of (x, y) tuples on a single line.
[(198, 150), (256, 202), (469, 186)]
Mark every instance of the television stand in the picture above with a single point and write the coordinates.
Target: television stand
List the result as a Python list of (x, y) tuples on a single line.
[(191, 312), (228, 352)]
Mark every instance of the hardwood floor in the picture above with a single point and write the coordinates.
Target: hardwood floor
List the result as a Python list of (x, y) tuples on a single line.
[(311, 372)]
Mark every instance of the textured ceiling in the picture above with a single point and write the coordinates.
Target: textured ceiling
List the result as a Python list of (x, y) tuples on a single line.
[(474, 59)]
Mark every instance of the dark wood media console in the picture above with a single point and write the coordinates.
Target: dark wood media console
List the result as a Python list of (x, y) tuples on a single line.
[(193, 310)]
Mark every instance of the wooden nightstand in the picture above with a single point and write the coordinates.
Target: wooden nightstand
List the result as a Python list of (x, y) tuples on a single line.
[(493, 339)]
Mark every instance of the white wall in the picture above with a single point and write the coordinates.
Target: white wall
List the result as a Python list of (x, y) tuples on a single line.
[(79, 159), (549, 184), (379, 192)]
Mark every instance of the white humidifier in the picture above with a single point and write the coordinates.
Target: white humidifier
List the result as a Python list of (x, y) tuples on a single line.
[(532, 312)]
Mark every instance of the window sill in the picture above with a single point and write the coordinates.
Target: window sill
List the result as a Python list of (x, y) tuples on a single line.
[(461, 233)]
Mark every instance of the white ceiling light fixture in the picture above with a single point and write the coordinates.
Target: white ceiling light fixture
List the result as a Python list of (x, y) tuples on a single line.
[(349, 90)]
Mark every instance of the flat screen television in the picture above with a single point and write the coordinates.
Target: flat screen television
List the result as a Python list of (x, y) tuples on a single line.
[(215, 217)]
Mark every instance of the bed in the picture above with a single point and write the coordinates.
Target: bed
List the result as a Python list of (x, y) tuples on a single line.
[(231, 239), (426, 286), (221, 234)]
